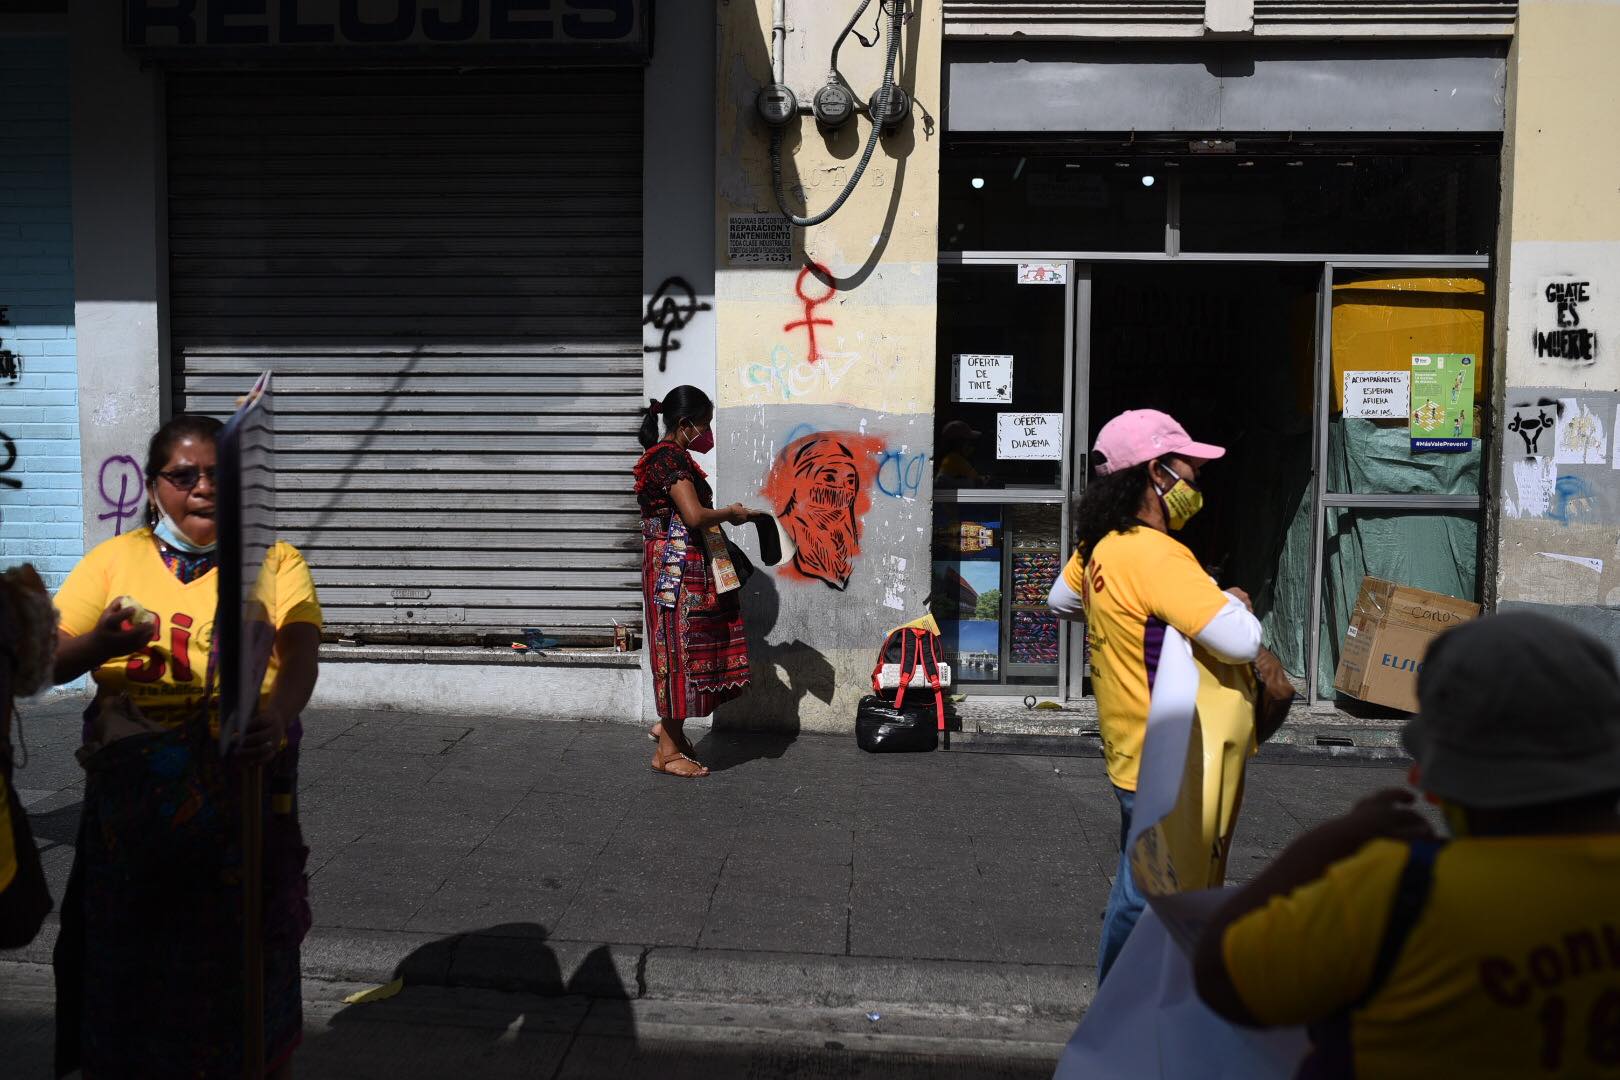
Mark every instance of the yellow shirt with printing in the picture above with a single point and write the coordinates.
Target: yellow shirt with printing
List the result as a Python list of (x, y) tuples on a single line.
[(1135, 584), (1512, 969), (165, 679)]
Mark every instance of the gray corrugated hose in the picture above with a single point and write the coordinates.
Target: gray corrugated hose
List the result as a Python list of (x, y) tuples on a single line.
[(896, 19)]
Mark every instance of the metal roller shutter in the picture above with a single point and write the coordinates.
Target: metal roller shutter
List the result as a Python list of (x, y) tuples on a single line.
[(1452, 18), (444, 271), (1148, 19), (1074, 18)]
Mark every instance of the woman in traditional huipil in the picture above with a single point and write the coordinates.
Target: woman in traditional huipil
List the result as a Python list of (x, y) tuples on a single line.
[(695, 637)]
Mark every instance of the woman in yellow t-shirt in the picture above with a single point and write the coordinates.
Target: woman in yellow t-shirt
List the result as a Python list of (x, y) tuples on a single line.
[(1130, 580), (145, 963)]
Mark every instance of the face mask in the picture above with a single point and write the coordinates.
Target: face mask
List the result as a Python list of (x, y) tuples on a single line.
[(1181, 502), (168, 532), (702, 443)]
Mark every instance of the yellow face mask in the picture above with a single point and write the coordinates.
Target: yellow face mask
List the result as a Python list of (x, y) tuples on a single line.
[(1181, 501)]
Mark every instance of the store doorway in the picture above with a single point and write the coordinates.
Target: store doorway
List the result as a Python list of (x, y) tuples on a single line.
[(1230, 351)]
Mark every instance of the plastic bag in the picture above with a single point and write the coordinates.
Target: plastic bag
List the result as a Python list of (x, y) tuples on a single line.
[(881, 728)]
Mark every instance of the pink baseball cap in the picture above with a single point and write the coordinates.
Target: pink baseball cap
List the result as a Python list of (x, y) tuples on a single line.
[(1137, 437)]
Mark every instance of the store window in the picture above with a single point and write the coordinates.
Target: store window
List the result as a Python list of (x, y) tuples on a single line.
[(1408, 392), (994, 565), (1001, 467), (1322, 317), (1344, 203), (1002, 368), (1030, 202)]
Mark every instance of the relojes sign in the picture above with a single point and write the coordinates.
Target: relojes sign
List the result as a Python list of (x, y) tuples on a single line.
[(561, 29)]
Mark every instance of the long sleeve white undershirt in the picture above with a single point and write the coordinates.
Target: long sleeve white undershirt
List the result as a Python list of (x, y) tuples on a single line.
[(1233, 635)]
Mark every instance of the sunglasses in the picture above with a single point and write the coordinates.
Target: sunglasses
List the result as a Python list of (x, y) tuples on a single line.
[(186, 477), (1191, 481)]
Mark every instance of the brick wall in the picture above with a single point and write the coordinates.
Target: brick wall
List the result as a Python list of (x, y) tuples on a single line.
[(40, 514)]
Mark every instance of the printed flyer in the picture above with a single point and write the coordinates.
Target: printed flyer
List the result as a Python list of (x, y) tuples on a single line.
[(1442, 403)]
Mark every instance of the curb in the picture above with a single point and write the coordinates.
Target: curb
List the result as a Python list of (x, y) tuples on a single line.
[(1048, 991), (530, 964)]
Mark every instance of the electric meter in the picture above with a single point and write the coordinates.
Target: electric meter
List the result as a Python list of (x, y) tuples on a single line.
[(834, 105), (889, 106), (776, 104)]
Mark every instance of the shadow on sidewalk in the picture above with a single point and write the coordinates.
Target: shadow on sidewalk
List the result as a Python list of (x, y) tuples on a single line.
[(494, 1001), (764, 722)]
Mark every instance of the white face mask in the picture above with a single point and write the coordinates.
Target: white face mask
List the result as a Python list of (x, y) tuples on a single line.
[(167, 531)]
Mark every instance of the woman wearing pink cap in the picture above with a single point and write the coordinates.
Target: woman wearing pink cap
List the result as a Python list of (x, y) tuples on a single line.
[(1129, 579)]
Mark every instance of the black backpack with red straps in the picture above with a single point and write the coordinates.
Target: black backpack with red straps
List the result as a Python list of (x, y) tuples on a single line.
[(885, 724)]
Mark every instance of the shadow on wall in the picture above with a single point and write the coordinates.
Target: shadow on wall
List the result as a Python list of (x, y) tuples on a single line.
[(785, 674), (844, 145)]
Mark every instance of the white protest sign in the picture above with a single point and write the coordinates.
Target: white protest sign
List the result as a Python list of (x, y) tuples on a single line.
[(1029, 436), (1377, 395), (981, 377), (1147, 1020)]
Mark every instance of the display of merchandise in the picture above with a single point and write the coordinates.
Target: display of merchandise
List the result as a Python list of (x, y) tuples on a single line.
[(1034, 638), (1033, 575), (966, 537)]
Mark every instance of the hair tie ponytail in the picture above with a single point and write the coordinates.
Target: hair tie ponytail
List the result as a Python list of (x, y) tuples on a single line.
[(681, 404), (647, 434)]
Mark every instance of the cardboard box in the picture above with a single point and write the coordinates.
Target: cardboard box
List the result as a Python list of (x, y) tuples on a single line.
[(1388, 636)]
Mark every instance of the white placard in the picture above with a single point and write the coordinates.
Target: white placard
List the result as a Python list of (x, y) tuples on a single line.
[(1043, 273), (1029, 436), (759, 240), (981, 377), (1377, 395)]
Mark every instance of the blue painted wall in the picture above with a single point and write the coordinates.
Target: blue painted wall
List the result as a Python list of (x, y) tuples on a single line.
[(40, 513)]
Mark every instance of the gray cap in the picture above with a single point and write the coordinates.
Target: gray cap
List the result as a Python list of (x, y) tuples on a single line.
[(1516, 710)]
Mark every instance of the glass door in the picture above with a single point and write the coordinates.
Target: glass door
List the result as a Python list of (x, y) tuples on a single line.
[(1005, 428)]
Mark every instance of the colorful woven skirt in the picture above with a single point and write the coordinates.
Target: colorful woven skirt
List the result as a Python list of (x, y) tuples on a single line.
[(695, 637)]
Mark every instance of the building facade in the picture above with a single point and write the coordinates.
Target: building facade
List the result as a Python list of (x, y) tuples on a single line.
[(1368, 246)]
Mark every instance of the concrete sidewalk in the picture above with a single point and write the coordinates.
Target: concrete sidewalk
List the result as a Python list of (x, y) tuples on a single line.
[(546, 857)]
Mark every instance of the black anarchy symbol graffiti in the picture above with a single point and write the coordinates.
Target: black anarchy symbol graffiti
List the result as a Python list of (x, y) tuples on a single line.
[(11, 459), (669, 310)]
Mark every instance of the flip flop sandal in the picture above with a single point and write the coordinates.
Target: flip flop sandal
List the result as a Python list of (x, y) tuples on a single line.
[(664, 768)]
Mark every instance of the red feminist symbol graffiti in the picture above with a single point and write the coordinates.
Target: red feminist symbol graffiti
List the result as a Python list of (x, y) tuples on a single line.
[(810, 322)]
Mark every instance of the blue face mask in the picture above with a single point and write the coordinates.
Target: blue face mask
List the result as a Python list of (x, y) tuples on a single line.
[(168, 532)]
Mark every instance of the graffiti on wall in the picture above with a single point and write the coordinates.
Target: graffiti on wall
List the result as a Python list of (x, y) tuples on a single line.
[(1531, 422), (670, 310), (899, 474), (10, 362), (123, 473), (812, 352), (820, 487), (10, 449), (1562, 317), (789, 379)]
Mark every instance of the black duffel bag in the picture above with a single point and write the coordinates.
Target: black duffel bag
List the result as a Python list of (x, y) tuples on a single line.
[(881, 728)]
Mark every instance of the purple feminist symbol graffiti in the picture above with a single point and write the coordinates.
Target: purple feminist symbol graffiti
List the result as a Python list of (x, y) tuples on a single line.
[(126, 504)]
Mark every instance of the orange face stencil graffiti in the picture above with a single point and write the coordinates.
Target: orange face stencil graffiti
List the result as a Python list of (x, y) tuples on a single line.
[(820, 487)]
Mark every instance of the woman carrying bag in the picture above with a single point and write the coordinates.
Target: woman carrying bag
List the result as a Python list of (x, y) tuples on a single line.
[(695, 639), (149, 961)]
